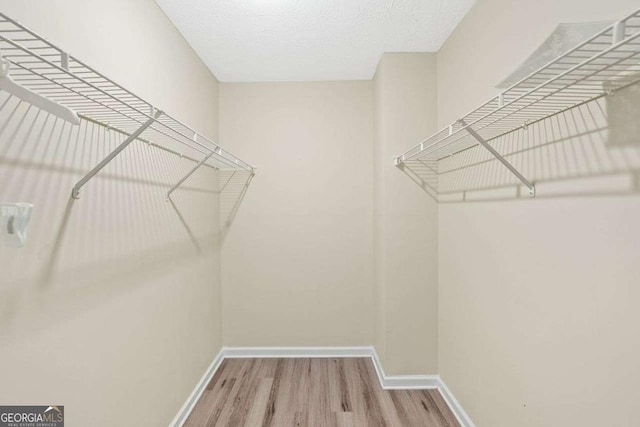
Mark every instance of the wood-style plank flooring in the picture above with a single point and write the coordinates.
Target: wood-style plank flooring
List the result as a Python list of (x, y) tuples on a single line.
[(313, 393)]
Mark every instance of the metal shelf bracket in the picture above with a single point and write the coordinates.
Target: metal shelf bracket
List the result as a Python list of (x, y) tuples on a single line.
[(191, 172), (75, 193), (12, 87), (531, 186)]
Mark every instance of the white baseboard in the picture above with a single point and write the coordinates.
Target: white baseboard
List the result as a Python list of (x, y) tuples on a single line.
[(193, 398), (402, 382), (463, 418), (288, 352), (387, 382)]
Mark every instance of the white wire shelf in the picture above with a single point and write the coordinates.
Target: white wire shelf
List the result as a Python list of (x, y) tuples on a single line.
[(606, 62), (48, 71)]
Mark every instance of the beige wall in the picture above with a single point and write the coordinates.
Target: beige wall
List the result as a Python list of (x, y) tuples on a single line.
[(538, 325), (405, 218), (298, 259), (113, 307)]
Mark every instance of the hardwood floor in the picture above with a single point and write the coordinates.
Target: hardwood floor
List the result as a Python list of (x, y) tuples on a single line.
[(312, 392)]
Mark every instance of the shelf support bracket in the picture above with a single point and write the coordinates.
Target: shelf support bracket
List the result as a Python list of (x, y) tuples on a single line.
[(195, 168), (75, 193), (512, 169)]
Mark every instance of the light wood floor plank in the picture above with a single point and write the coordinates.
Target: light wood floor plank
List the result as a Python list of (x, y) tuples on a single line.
[(344, 419), (285, 400), (258, 407), (234, 399)]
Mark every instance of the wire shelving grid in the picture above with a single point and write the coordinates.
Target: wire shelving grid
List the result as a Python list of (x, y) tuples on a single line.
[(47, 70), (606, 62)]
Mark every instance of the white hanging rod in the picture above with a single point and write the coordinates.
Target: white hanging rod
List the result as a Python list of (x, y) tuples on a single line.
[(604, 63), (45, 69)]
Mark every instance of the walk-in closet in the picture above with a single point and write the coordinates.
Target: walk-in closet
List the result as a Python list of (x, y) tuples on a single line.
[(319, 213)]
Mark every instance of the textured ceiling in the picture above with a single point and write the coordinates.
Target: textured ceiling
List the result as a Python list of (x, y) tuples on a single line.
[(302, 40)]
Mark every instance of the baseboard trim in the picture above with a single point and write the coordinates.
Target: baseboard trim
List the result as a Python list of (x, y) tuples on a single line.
[(463, 418), (193, 398), (402, 382), (387, 382), (288, 352)]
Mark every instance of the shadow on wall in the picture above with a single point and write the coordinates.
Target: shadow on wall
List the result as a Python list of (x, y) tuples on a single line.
[(590, 150), (120, 233)]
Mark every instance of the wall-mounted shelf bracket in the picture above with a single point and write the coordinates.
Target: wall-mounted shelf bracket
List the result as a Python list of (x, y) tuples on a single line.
[(75, 193), (512, 169), (10, 86), (191, 172)]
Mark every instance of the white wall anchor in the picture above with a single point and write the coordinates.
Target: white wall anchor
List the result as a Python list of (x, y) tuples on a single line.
[(14, 221)]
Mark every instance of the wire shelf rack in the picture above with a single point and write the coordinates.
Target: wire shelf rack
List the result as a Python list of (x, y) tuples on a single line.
[(47, 70), (606, 62)]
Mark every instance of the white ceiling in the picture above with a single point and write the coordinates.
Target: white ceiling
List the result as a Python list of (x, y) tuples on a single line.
[(304, 40)]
